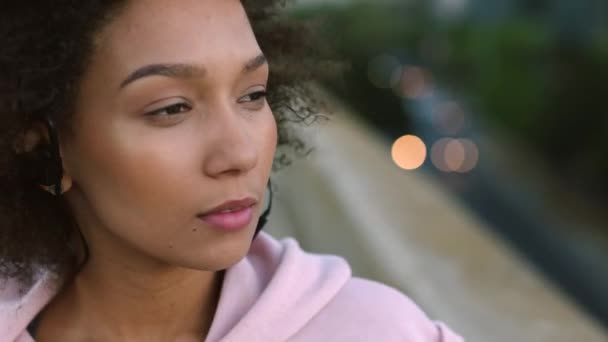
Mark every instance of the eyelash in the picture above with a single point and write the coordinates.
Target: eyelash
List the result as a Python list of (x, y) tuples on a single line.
[(181, 107), (256, 96), (169, 109)]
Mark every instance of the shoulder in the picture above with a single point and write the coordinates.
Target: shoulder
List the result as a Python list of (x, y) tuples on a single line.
[(366, 310), (325, 303), (388, 307)]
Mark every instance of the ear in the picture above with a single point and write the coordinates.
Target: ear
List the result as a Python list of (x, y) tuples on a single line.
[(39, 146)]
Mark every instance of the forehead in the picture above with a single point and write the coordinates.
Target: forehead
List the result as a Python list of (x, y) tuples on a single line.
[(177, 31)]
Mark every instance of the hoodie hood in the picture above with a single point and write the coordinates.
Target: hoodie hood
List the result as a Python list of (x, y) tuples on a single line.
[(18, 308), (278, 292), (262, 289), (275, 291)]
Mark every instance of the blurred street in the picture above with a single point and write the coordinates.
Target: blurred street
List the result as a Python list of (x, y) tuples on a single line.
[(403, 229)]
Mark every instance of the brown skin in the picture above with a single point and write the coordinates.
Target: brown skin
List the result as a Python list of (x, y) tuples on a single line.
[(136, 181)]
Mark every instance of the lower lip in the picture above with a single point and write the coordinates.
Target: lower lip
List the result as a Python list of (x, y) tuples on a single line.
[(232, 221)]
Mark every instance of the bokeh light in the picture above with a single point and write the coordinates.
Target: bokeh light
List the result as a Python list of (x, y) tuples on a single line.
[(409, 152), (384, 71), (454, 155), (471, 153), (437, 154), (448, 117), (451, 8), (414, 83)]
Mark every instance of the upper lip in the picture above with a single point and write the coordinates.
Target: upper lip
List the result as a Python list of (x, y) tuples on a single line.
[(233, 205)]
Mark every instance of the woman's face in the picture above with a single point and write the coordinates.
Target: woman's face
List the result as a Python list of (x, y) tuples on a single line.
[(170, 122)]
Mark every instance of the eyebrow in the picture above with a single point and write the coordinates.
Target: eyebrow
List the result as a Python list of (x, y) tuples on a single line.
[(180, 70)]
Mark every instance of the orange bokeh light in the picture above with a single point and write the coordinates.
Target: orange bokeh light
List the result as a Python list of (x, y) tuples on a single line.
[(409, 152)]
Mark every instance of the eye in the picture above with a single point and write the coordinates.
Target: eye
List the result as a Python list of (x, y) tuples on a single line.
[(254, 96), (176, 108)]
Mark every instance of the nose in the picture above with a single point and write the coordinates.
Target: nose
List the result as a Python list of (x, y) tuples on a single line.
[(232, 149)]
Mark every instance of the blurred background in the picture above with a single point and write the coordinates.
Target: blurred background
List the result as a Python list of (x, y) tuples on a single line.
[(467, 162)]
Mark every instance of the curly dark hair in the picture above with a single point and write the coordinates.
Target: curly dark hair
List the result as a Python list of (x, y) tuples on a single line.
[(46, 46)]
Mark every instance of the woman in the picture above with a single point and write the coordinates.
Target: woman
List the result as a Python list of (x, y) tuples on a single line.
[(137, 144)]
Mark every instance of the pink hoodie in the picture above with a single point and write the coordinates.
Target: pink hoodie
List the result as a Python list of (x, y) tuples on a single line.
[(277, 292)]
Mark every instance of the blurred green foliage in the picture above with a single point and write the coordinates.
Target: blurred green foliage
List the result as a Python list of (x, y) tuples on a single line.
[(520, 75)]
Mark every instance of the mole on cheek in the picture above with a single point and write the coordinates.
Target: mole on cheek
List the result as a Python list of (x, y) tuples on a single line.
[(194, 229)]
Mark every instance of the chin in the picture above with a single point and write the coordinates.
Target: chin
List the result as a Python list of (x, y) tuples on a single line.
[(222, 254)]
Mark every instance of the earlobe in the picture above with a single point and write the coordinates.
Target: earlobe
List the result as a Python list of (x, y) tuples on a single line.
[(66, 179), (60, 188)]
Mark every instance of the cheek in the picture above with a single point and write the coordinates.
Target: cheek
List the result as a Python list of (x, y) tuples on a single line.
[(146, 185), (134, 182), (268, 140)]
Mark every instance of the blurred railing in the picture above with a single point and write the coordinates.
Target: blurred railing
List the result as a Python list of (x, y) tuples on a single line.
[(403, 229)]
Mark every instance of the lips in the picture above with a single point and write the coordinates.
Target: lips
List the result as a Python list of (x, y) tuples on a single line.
[(231, 215), (231, 206)]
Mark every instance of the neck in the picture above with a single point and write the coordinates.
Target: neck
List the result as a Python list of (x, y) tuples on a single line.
[(121, 304)]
